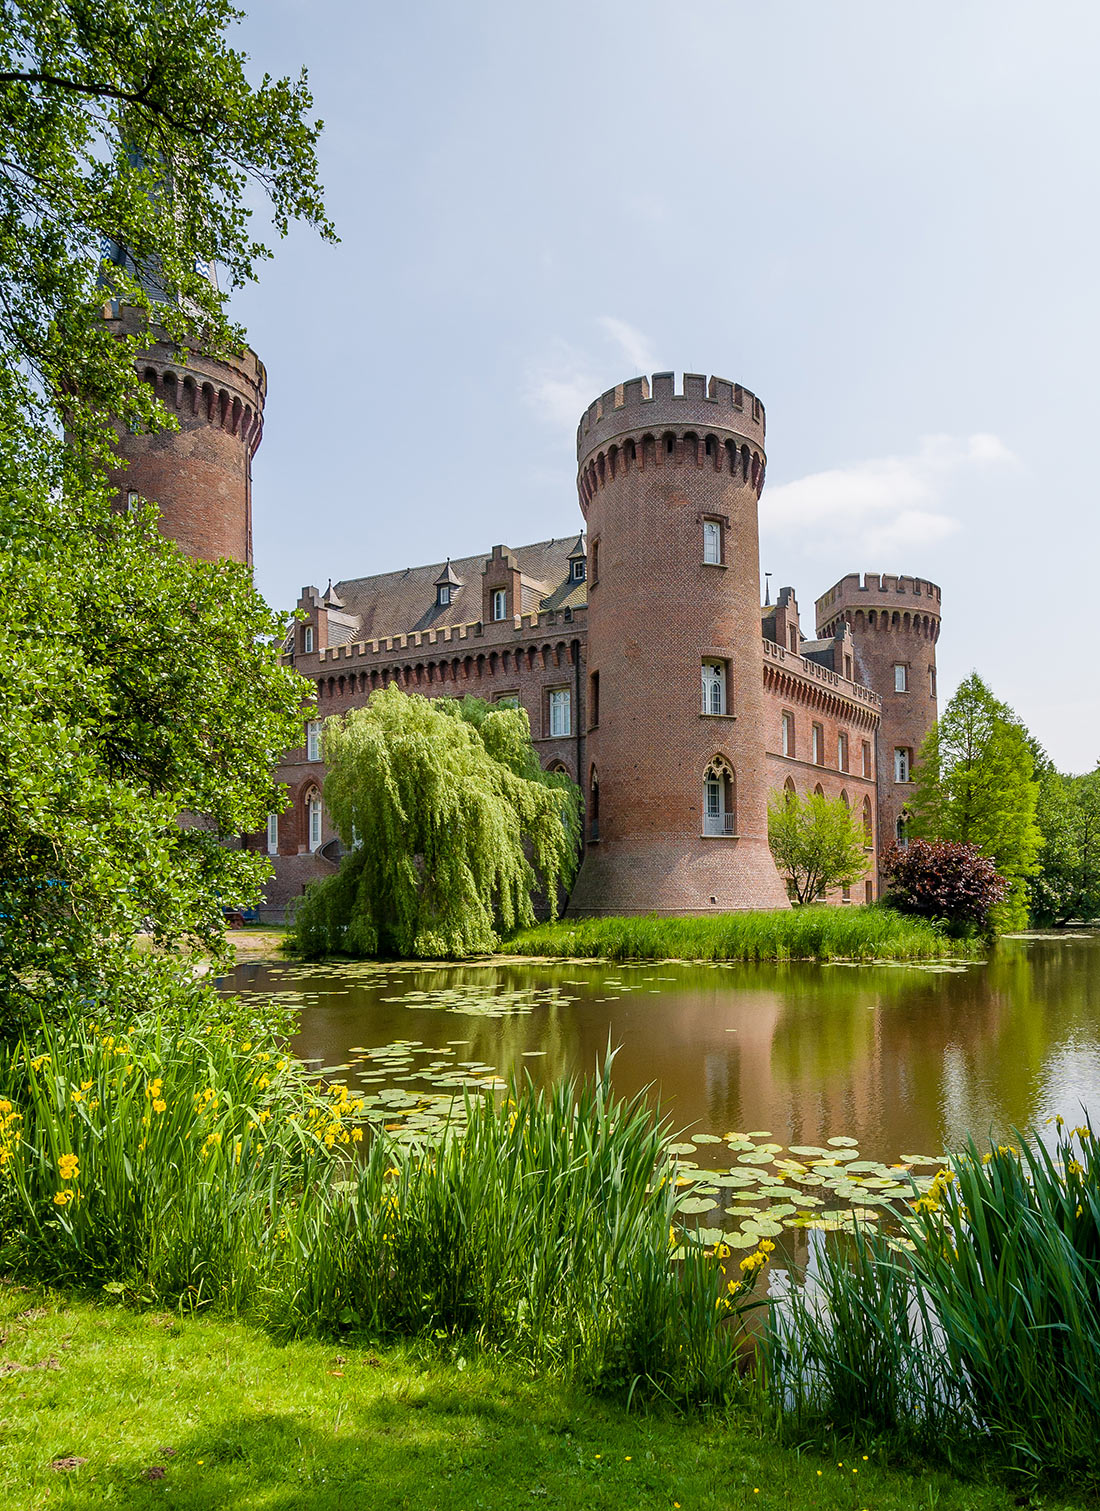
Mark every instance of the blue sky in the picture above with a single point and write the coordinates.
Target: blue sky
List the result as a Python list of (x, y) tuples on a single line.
[(884, 222)]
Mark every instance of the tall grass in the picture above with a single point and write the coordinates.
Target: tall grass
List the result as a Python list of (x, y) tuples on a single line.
[(986, 1334), (190, 1168), (814, 933)]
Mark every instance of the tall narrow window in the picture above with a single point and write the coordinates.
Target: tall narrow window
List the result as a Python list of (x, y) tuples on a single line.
[(712, 542), (500, 603), (313, 740), (272, 834), (307, 640), (593, 700), (792, 635), (576, 570), (594, 561), (559, 712), (868, 891), (594, 805), (133, 501), (848, 667), (842, 752), (818, 745), (718, 799), (901, 764), (443, 595), (788, 734), (901, 679), (714, 687), (868, 826), (314, 821), (866, 758), (931, 681), (901, 830)]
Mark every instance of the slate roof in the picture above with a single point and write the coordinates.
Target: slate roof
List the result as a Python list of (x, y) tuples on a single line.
[(397, 603)]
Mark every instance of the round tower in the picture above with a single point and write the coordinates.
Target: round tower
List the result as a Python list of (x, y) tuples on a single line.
[(675, 782), (199, 476), (895, 623)]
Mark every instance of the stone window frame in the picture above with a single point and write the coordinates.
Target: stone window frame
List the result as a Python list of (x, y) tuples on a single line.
[(549, 696), (903, 765)]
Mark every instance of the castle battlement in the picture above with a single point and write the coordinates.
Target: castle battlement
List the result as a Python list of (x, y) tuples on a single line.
[(878, 585), (562, 622), (706, 403)]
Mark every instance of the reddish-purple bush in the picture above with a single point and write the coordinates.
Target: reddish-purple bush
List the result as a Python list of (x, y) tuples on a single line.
[(936, 879)]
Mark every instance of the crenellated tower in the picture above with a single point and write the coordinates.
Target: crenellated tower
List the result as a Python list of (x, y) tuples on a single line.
[(199, 476), (675, 780), (895, 623)]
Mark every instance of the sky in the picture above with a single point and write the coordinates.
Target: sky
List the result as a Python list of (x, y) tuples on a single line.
[(882, 220)]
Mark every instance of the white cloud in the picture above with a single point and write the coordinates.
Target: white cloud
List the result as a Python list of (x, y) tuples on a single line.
[(562, 384), (885, 504), (630, 341)]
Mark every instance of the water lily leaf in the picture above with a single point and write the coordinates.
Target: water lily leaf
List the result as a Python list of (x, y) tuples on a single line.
[(808, 1149), (924, 1159), (741, 1211), (681, 1148), (842, 1141), (691, 1204), (754, 1157), (740, 1240), (762, 1227), (706, 1138)]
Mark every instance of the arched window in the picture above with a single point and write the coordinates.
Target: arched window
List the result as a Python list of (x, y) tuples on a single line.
[(714, 687), (314, 819), (719, 798), (868, 826), (819, 791), (789, 793)]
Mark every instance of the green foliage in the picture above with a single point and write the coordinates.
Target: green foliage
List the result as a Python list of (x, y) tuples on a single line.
[(817, 843), (821, 933), (135, 685), (181, 1162), (445, 803), (133, 124), (986, 1334), (975, 784), (1068, 886)]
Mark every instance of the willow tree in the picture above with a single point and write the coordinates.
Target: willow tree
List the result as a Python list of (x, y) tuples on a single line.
[(450, 825)]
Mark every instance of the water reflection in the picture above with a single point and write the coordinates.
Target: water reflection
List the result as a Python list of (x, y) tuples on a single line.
[(903, 1059)]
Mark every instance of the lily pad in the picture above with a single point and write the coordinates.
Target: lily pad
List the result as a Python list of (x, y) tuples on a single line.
[(690, 1204), (842, 1141)]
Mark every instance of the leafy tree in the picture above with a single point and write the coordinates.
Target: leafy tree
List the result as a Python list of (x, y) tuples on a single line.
[(1068, 885), (133, 126), (953, 884), (975, 785), (451, 823), (817, 843), (135, 685)]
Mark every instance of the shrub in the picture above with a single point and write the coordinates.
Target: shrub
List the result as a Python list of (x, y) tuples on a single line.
[(952, 883)]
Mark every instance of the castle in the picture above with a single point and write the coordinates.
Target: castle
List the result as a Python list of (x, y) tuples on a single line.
[(639, 647)]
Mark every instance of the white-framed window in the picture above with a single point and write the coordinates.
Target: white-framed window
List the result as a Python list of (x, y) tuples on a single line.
[(866, 758), (842, 751), (901, 763), (712, 542), (576, 570), (133, 501), (443, 596), (787, 728), (901, 678), (714, 687), (313, 740), (818, 745), (507, 700), (500, 603), (560, 712), (718, 799), (313, 809), (272, 834), (307, 639)]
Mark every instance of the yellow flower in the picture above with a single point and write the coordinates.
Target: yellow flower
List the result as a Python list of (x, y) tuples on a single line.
[(68, 1166), (264, 1116), (39, 1061), (76, 1096), (160, 1105), (85, 1085), (262, 1084), (357, 1135), (246, 1046), (63, 1198), (5, 1108)]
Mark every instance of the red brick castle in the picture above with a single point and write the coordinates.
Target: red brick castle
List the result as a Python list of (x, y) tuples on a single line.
[(639, 647)]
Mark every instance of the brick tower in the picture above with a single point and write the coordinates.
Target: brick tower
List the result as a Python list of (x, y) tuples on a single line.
[(895, 623), (675, 779), (200, 476)]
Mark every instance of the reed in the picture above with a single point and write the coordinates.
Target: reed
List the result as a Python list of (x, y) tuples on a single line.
[(813, 933), (185, 1166), (985, 1336)]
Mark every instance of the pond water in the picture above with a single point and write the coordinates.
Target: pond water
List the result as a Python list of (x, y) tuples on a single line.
[(892, 1063)]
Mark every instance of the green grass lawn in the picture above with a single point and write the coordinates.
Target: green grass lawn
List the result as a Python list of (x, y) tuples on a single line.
[(199, 1413)]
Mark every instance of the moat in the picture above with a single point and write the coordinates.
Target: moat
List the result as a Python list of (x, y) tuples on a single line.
[(899, 1059)]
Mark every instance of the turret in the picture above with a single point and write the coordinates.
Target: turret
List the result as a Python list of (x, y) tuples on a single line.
[(675, 780), (895, 623), (199, 476)]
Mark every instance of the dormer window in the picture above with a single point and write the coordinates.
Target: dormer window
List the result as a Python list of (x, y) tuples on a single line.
[(307, 640), (576, 571), (443, 595), (500, 603)]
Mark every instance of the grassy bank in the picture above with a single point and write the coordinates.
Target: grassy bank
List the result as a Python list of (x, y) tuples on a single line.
[(202, 1413), (818, 933)]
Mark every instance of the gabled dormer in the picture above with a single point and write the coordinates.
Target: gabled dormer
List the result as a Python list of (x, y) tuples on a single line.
[(501, 586), (447, 586), (578, 560)]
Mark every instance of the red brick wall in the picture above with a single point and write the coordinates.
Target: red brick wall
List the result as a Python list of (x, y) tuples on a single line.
[(651, 470)]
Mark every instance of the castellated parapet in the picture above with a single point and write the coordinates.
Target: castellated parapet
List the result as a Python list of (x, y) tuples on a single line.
[(675, 776), (200, 476)]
